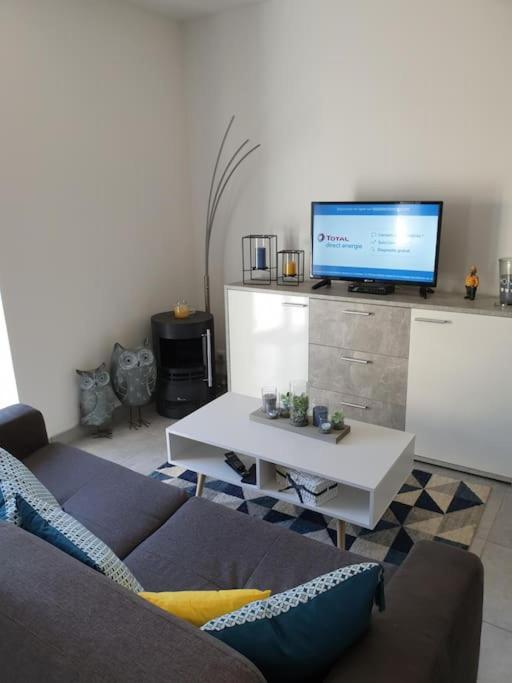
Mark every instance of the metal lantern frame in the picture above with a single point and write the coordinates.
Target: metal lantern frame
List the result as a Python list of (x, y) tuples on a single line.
[(251, 273), (284, 279)]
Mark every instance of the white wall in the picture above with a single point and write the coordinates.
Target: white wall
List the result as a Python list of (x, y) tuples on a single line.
[(98, 185), (94, 218), (8, 388), (403, 99)]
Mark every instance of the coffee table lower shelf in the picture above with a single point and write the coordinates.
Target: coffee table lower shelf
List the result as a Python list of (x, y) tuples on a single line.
[(353, 505)]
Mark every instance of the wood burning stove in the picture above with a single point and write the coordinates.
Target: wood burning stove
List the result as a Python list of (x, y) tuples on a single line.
[(185, 356)]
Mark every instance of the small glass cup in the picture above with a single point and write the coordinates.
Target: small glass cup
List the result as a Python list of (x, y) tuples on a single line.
[(325, 428), (269, 403)]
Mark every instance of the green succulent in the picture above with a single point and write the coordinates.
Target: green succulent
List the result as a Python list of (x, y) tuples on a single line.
[(337, 418)]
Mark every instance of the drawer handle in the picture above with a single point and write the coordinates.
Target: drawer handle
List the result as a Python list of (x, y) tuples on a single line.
[(361, 361), (351, 312), (289, 303), (437, 321), (353, 405)]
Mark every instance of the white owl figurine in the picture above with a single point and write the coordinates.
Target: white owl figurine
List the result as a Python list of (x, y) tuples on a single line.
[(134, 378), (97, 400)]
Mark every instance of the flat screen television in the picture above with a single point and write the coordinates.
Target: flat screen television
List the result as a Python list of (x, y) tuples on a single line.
[(376, 242)]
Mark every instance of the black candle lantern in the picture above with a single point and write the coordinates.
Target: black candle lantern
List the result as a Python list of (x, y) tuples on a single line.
[(259, 259), (290, 267)]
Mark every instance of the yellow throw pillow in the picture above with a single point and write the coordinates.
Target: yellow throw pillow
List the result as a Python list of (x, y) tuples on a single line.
[(198, 607)]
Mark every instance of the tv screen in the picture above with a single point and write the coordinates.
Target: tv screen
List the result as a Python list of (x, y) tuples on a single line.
[(395, 242)]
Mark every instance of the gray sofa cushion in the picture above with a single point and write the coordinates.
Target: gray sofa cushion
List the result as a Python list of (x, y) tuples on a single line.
[(208, 546), (61, 621), (64, 469), (119, 506)]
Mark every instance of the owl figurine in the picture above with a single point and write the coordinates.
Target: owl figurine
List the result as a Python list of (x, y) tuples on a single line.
[(97, 400), (134, 378)]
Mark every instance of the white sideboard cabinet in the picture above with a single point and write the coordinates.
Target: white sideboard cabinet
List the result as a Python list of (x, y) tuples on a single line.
[(267, 340), (441, 368), (459, 384)]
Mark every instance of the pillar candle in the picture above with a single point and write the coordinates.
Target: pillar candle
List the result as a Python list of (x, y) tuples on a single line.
[(290, 269), (261, 258)]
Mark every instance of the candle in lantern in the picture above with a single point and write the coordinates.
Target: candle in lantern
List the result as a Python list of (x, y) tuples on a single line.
[(261, 258), (290, 268)]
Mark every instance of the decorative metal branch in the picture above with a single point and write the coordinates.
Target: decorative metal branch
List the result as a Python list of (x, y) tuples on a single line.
[(216, 192)]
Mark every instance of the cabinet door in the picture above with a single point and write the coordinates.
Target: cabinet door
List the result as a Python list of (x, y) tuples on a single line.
[(457, 398), (267, 340)]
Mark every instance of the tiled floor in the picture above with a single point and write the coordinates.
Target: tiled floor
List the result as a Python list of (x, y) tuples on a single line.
[(144, 450)]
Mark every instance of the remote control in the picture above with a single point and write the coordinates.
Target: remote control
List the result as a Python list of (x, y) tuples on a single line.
[(235, 463), (250, 477)]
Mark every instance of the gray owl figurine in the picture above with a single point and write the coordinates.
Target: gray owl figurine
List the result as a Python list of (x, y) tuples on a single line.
[(134, 378), (97, 400)]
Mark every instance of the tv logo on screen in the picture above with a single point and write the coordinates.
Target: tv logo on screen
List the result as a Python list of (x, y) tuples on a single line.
[(332, 238)]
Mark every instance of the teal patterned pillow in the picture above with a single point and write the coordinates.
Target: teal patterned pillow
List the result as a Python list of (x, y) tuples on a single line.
[(298, 635), (66, 533), (15, 478)]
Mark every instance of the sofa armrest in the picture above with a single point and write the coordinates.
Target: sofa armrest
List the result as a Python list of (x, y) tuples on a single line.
[(22, 430), (430, 631)]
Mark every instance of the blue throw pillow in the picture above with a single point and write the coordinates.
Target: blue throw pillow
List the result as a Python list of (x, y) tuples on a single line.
[(66, 533), (16, 478), (299, 634)]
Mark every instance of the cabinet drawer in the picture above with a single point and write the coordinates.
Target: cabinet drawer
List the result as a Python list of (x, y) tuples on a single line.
[(361, 327), (356, 408), (382, 378)]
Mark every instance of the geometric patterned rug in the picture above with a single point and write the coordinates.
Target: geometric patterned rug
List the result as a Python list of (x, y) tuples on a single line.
[(427, 507)]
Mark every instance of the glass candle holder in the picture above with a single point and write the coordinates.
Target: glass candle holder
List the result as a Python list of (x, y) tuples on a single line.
[(505, 265), (299, 403), (269, 403), (290, 266), (259, 259), (181, 310), (320, 414)]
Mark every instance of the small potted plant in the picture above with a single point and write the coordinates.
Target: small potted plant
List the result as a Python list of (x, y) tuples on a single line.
[(299, 410), (338, 420)]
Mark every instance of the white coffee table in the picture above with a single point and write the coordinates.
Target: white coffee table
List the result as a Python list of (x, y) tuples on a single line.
[(370, 464)]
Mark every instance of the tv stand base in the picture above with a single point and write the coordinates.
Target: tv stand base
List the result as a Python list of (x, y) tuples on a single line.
[(323, 283), (371, 288)]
